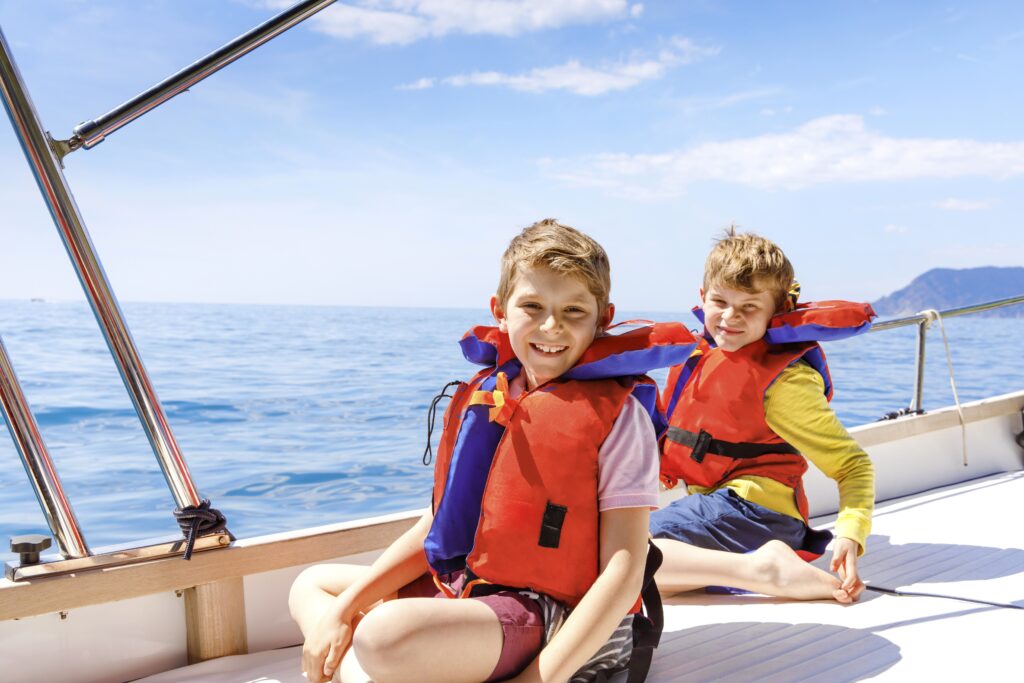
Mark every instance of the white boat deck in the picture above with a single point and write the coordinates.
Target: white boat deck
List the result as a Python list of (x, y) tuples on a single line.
[(964, 540)]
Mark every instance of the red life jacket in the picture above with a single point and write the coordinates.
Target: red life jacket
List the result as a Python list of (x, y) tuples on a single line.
[(535, 524), (717, 428), (538, 526)]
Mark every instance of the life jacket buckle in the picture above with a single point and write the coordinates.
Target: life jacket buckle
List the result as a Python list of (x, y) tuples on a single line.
[(700, 447)]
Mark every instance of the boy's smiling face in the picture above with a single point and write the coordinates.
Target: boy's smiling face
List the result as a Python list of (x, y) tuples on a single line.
[(735, 318), (550, 319)]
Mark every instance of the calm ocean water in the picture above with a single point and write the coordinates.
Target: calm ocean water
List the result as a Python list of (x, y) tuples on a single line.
[(295, 416)]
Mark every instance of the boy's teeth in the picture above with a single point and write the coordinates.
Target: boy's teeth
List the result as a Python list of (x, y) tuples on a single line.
[(549, 349)]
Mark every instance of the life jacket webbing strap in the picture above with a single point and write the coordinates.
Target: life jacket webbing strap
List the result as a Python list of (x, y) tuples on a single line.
[(647, 627), (443, 587), (702, 443)]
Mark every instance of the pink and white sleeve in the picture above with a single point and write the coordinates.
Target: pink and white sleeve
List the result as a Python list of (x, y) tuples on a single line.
[(628, 460)]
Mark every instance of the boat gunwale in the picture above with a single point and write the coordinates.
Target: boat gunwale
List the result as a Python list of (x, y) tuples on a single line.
[(300, 547)]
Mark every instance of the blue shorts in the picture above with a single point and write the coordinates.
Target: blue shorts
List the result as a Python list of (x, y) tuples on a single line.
[(724, 521)]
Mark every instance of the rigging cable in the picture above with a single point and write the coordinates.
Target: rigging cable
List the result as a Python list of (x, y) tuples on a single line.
[(932, 315)]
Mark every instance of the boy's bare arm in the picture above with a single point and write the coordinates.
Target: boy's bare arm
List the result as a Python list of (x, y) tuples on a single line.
[(623, 554)]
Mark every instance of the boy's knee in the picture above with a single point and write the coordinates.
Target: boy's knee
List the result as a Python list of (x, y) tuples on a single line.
[(378, 641), (307, 580)]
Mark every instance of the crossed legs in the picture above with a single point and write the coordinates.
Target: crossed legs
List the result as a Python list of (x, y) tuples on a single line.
[(422, 639)]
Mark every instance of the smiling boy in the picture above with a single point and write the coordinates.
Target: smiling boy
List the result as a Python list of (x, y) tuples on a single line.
[(745, 416), (543, 484)]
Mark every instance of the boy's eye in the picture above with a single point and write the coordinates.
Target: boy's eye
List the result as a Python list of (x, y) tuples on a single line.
[(531, 305), (575, 310)]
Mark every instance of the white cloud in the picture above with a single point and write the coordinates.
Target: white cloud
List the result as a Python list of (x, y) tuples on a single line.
[(576, 78), (421, 84), (406, 21), (830, 149), (953, 204)]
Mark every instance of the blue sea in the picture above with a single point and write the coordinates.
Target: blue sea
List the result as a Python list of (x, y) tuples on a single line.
[(297, 416)]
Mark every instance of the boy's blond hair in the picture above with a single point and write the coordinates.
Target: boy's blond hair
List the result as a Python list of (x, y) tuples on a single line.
[(561, 248), (749, 263)]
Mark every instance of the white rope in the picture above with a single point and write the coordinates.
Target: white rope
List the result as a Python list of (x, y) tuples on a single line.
[(931, 316)]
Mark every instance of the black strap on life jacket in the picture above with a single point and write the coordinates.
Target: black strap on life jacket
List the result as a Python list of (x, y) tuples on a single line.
[(702, 443), (648, 623)]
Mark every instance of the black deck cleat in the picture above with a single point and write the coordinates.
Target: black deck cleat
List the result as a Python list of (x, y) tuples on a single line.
[(28, 547)]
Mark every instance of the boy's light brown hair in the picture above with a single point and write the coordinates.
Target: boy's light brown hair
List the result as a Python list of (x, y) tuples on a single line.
[(749, 263), (563, 249)]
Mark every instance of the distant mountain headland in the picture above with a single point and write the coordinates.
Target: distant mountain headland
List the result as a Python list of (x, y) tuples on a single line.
[(944, 288)]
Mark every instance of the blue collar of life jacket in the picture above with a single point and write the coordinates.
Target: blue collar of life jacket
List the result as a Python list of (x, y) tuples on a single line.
[(813, 322)]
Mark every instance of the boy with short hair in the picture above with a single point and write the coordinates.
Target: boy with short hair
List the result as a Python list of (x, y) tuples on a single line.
[(546, 472), (745, 415)]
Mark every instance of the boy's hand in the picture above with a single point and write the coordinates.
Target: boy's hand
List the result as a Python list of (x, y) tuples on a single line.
[(844, 563), (325, 646)]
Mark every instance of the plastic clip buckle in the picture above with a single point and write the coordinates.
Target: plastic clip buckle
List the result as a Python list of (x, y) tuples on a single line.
[(700, 446)]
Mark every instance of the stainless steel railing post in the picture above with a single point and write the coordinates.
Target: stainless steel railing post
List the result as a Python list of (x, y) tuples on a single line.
[(917, 402), (38, 465), (45, 165)]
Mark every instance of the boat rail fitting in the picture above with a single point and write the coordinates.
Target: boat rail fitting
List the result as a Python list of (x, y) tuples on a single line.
[(45, 166), (923, 320), (91, 133), (950, 313), (115, 556), (38, 464), (917, 402)]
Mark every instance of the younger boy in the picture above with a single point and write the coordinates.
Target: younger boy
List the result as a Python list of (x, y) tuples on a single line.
[(744, 414)]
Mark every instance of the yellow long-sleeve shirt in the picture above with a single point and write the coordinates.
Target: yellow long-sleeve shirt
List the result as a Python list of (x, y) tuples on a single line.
[(796, 409)]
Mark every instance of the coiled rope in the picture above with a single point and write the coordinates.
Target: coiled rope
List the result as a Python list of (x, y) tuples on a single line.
[(199, 520)]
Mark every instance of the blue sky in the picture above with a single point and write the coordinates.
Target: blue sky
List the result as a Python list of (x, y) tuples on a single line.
[(384, 152)]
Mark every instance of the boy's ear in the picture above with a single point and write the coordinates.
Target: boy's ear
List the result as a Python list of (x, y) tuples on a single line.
[(606, 319), (701, 291), (499, 314)]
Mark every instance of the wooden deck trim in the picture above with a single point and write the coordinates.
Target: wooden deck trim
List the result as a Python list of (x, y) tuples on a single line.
[(877, 433), (248, 556)]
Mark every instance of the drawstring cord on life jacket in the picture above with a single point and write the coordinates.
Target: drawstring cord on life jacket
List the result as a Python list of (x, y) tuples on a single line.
[(499, 401), (504, 404), (932, 315), (428, 452)]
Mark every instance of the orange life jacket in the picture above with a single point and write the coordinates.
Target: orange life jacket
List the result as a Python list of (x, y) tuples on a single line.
[(535, 524), (538, 520), (715, 400)]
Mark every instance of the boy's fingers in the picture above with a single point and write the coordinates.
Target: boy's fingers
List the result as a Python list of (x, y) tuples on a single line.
[(332, 661)]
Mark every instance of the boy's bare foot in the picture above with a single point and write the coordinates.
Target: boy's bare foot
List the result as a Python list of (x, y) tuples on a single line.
[(785, 575)]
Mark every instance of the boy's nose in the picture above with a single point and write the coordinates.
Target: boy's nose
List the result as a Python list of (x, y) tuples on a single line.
[(549, 324)]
